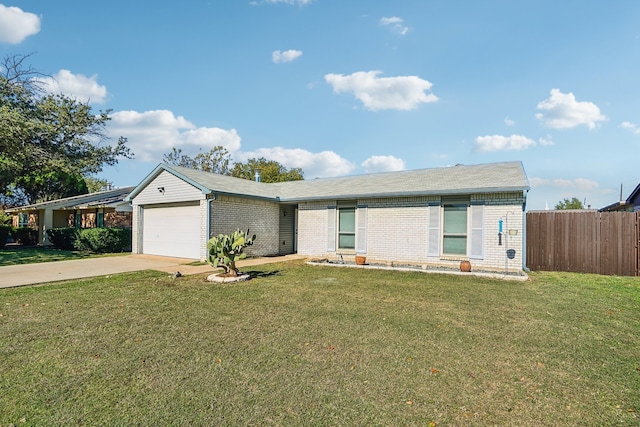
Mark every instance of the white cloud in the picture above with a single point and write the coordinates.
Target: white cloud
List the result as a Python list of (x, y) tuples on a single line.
[(82, 88), (546, 140), (152, 134), (580, 184), (562, 111), (314, 165), (508, 121), (16, 25), (538, 182), (499, 142), (383, 93), (395, 24), (383, 164), (631, 126), (280, 57)]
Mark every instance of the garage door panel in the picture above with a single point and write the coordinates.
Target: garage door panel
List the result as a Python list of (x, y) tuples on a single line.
[(172, 231)]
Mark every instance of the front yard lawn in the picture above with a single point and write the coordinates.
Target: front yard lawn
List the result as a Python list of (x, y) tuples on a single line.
[(12, 255), (310, 345)]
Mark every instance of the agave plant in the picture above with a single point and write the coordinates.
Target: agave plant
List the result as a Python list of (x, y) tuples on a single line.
[(225, 249)]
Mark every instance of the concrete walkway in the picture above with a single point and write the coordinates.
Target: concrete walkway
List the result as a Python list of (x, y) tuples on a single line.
[(31, 274)]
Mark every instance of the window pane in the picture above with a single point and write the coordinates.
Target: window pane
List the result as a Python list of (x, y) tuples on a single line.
[(347, 220), (347, 241), (455, 219), (455, 245)]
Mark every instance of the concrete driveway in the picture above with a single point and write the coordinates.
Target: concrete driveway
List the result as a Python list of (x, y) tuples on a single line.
[(31, 274)]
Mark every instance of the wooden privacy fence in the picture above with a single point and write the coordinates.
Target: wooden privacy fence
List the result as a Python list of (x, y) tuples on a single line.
[(583, 242)]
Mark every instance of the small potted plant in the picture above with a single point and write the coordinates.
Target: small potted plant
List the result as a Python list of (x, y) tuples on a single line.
[(465, 266), (361, 260)]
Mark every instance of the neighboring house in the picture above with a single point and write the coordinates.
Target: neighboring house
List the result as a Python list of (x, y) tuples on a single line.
[(631, 204), (100, 209), (428, 217)]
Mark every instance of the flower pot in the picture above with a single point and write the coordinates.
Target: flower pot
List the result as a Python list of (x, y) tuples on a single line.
[(361, 260), (465, 266)]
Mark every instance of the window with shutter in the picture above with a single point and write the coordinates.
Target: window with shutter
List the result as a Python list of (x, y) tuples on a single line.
[(476, 246), (361, 234), (434, 231), (331, 229)]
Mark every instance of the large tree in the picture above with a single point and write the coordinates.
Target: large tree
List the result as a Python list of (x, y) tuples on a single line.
[(270, 171), (43, 186), (566, 204), (47, 140), (217, 160)]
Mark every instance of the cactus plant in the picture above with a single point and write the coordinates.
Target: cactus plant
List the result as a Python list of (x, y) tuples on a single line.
[(225, 249)]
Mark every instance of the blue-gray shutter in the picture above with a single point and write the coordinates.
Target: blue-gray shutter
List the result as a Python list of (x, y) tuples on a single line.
[(433, 240), (476, 245), (361, 230), (331, 228)]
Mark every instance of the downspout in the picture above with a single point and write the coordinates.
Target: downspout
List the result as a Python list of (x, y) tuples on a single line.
[(207, 227), (524, 234)]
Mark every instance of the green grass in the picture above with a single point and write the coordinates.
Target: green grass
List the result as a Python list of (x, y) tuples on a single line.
[(309, 345), (13, 255)]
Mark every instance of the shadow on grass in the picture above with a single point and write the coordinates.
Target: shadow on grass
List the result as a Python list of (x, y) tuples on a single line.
[(260, 274)]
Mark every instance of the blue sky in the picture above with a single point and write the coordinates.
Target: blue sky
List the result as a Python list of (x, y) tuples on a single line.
[(358, 86)]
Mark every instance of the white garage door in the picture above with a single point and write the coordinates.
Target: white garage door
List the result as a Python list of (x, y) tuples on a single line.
[(171, 231)]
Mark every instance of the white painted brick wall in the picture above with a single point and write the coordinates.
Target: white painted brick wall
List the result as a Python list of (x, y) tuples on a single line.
[(135, 231), (397, 231), (312, 229), (203, 229), (260, 217)]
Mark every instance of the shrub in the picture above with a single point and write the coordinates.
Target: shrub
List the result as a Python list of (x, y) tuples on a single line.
[(62, 238), (5, 231), (25, 236), (103, 240)]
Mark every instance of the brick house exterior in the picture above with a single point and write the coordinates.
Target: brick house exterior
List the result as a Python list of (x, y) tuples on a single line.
[(428, 217), (99, 209)]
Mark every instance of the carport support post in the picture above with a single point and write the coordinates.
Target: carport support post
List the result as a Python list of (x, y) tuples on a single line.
[(47, 223)]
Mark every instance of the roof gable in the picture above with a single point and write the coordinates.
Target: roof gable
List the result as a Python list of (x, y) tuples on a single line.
[(634, 197)]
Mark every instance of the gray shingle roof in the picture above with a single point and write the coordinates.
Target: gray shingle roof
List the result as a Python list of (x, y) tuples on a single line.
[(216, 183), (100, 198), (460, 179), (494, 177)]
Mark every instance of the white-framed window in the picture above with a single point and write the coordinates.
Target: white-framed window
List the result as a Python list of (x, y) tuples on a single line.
[(347, 227), (454, 229), (23, 219)]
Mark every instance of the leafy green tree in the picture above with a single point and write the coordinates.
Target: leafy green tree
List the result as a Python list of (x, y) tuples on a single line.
[(566, 204), (97, 184), (43, 186), (270, 171), (217, 160), (47, 135), (176, 158)]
